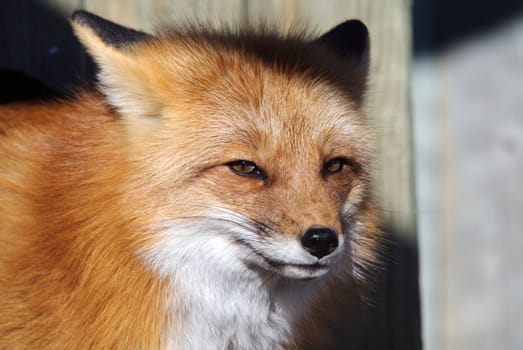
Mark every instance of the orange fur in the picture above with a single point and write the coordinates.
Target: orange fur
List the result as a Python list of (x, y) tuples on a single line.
[(64, 276), (83, 182)]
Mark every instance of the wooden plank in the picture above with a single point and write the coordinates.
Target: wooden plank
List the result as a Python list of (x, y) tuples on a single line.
[(149, 15)]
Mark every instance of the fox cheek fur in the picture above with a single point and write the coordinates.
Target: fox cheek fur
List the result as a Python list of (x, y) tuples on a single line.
[(212, 193)]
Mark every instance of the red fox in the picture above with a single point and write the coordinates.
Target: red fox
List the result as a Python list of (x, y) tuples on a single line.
[(212, 193)]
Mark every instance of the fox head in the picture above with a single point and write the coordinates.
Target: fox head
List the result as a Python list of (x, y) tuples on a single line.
[(248, 149)]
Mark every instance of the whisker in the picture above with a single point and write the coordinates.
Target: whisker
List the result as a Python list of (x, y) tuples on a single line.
[(215, 219), (262, 226)]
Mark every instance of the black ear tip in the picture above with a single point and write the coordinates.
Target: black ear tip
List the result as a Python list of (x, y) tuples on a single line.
[(358, 34), (348, 39), (77, 14), (89, 19), (81, 16), (353, 31), (356, 26), (111, 33)]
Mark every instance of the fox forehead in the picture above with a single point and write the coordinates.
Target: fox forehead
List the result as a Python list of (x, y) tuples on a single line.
[(268, 113), (234, 94)]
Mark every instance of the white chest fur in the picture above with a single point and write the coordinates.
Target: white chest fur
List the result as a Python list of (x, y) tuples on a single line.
[(217, 302), (232, 314)]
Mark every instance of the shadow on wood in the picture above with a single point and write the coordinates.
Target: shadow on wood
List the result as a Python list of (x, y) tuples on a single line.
[(439, 24), (391, 319)]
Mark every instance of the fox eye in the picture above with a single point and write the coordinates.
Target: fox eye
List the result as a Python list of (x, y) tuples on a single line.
[(335, 166), (247, 168)]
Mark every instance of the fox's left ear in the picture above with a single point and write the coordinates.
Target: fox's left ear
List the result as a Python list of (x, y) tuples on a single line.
[(349, 41), (122, 76)]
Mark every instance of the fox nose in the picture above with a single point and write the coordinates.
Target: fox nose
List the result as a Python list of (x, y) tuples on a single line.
[(319, 241)]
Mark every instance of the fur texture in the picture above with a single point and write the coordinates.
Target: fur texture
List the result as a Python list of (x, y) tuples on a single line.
[(124, 225)]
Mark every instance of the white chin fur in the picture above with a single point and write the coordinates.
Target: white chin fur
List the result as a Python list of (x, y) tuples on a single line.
[(302, 272)]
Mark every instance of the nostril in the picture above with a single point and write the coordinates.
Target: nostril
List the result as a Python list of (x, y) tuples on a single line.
[(319, 241)]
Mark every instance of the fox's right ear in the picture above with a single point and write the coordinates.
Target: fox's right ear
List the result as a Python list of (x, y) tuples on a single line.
[(122, 76), (94, 29)]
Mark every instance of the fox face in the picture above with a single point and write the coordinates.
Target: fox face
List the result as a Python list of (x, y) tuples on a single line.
[(262, 151)]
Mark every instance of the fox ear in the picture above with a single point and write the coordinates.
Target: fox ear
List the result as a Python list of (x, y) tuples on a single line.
[(349, 41), (122, 78), (109, 33)]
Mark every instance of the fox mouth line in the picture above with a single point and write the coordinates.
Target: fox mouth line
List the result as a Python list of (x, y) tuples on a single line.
[(279, 264), (314, 266)]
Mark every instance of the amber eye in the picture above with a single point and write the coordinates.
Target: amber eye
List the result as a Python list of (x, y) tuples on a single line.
[(247, 168), (335, 166)]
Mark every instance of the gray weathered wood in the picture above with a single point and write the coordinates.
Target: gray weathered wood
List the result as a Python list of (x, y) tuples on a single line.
[(469, 142)]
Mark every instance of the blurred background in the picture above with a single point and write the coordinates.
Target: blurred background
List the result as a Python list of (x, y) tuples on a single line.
[(446, 106), (467, 97)]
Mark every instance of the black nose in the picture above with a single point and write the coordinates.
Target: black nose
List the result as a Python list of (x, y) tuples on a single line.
[(319, 241)]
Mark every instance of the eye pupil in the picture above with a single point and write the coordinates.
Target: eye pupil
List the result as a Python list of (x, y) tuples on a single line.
[(334, 166), (247, 168), (241, 167)]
